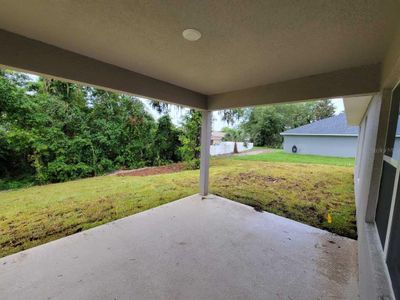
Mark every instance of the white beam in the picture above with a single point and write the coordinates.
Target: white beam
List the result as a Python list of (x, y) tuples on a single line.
[(355, 81), (205, 151)]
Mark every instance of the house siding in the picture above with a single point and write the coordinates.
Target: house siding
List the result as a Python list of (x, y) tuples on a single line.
[(374, 280), (340, 146)]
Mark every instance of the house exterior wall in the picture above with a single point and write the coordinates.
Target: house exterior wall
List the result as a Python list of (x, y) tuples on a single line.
[(374, 282), (341, 146)]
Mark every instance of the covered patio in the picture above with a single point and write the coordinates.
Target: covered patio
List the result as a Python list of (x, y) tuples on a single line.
[(193, 248), (249, 53)]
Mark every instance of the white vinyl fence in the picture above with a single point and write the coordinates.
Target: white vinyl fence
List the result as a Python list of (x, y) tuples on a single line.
[(227, 147)]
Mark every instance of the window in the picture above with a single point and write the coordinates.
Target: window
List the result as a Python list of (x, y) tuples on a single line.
[(389, 170), (387, 216), (393, 256), (390, 149), (385, 200)]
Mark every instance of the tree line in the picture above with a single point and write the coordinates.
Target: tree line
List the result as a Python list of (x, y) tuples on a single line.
[(262, 125), (53, 131)]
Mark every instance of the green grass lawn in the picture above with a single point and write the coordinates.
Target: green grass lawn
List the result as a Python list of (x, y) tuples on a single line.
[(280, 156), (303, 192)]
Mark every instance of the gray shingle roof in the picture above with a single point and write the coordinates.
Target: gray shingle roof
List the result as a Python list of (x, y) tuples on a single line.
[(336, 125)]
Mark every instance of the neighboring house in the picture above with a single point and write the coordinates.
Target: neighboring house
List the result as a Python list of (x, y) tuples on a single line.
[(216, 137), (330, 137)]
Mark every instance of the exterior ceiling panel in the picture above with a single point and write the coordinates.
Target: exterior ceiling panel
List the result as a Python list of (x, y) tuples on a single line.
[(244, 43)]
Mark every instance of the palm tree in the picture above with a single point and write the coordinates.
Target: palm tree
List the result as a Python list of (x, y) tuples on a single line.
[(234, 135)]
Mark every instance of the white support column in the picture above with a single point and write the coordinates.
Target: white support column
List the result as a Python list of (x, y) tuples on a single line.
[(206, 118)]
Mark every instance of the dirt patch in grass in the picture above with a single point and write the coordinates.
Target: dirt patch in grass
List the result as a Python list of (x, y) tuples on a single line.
[(318, 195), (172, 168), (253, 176)]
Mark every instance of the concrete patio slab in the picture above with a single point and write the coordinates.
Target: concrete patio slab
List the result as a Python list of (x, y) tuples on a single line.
[(192, 248)]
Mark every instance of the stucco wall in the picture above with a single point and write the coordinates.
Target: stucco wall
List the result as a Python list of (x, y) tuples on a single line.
[(345, 146), (373, 276)]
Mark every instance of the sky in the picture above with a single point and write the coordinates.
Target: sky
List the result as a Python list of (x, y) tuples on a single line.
[(176, 113)]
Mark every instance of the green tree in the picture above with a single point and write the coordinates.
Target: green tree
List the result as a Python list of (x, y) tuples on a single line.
[(233, 115), (17, 117), (190, 133), (166, 141), (264, 124), (190, 139), (121, 130), (323, 109), (59, 131)]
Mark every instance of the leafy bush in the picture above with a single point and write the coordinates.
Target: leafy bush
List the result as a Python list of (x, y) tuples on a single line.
[(60, 171), (190, 139), (57, 131), (16, 183), (166, 142)]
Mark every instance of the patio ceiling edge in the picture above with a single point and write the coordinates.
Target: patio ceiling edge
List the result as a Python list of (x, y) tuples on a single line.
[(25, 54), (364, 80)]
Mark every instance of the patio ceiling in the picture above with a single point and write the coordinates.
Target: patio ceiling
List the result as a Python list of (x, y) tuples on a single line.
[(251, 52)]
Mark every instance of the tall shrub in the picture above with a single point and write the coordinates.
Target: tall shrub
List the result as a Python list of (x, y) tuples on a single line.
[(190, 139)]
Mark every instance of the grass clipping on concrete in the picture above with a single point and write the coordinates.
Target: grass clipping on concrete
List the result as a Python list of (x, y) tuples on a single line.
[(318, 195)]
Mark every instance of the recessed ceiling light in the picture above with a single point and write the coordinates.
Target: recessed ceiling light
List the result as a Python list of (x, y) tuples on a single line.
[(191, 34)]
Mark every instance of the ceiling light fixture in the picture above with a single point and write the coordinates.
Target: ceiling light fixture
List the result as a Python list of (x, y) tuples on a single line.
[(191, 35)]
